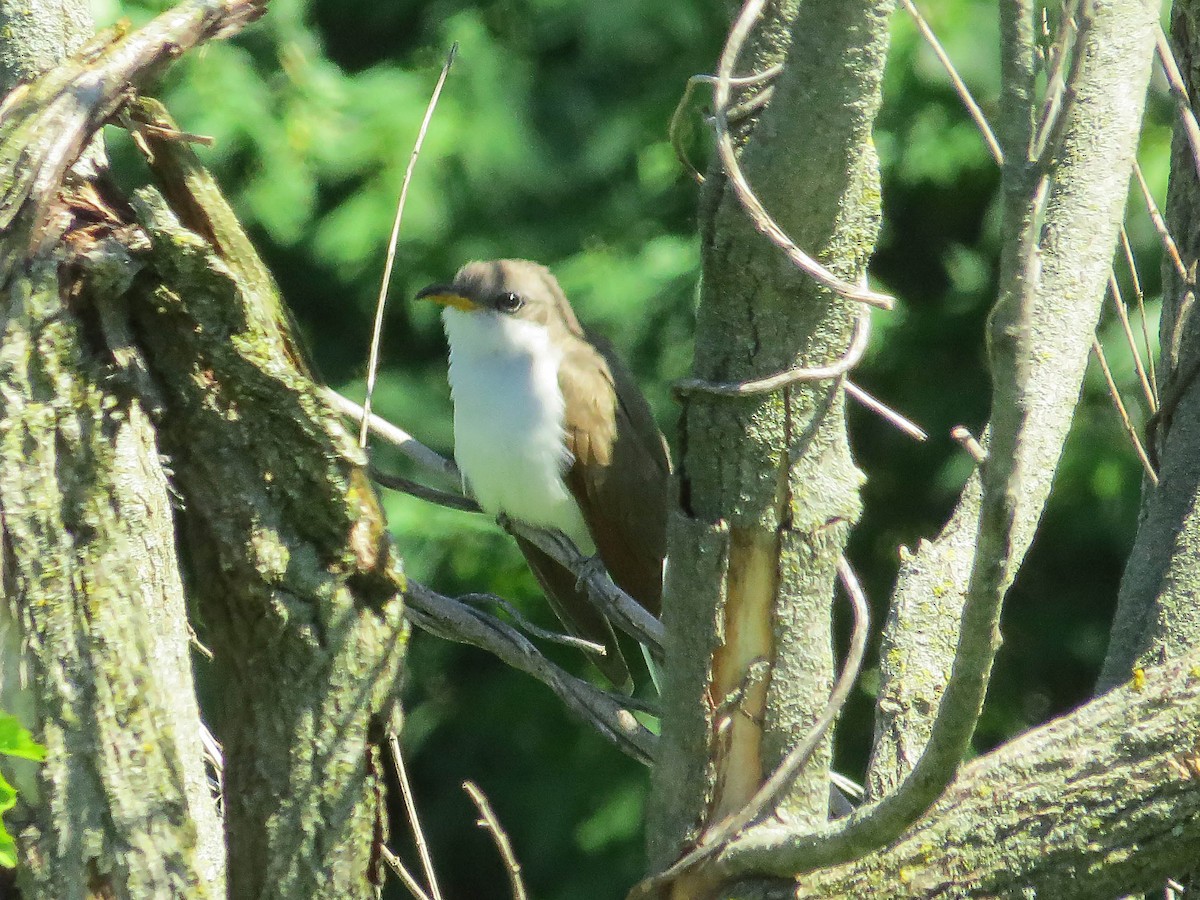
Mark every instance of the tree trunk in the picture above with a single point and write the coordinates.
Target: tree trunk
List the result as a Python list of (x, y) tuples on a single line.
[(768, 490), (146, 352), (1158, 616)]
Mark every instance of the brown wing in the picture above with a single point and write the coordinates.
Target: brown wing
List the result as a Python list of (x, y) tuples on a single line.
[(577, 614), (621, 471)]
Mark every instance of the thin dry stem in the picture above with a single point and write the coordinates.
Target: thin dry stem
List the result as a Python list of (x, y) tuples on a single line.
[(847, 361), (960, 86), (1183, 104), (1160, 225), (406, 877), (414, 821), (396, 436), (1136, 281), (1123, 314), (969, 443), (488, 821), (1134, 437), (885, 412), (377, 330)]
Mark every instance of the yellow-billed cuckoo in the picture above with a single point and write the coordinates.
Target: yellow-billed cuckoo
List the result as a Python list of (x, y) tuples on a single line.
[(550, 429)]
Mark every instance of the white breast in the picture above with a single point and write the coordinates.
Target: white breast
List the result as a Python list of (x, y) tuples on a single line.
[(508, 420)]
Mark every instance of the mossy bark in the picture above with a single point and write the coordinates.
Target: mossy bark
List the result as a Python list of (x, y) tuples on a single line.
[(156, 415)]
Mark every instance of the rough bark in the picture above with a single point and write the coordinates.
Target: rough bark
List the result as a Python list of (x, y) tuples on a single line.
[(1158, 613), (293, 566), (96, 641), (130, 329), (1098, 804), (1083, 212), (767, 486), (35, 36), (1075, 808)]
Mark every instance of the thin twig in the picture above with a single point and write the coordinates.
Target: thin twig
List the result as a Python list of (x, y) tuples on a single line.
[(716, 837), (1134, 438), (489, 822), (1179, 92), (1123, 314), (847, 361), (377, 331), (554, 637), (447, 499), (414, 821), (758, 214), (396, 436), (1131, 262), (885, 412), (1160, 225), (964, 437), (406, 877), (960, 86)]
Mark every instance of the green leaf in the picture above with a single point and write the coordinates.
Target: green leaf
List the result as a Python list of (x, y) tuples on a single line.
[(8, 849), (15, 740)]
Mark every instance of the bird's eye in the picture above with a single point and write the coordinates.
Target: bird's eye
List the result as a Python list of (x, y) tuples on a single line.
[(509, 302)]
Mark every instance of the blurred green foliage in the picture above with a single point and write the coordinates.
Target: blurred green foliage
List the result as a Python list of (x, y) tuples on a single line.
[(550, 143), (17, 742)]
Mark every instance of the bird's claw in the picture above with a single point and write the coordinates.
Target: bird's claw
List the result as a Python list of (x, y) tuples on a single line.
[(592, 567)]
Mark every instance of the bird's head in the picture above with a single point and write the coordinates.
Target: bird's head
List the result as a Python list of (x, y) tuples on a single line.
[(505, 289)]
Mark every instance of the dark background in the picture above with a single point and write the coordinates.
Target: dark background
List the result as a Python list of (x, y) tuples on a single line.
[(551, 143)]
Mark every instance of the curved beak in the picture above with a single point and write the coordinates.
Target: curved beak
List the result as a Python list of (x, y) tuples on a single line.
[(448, 295)]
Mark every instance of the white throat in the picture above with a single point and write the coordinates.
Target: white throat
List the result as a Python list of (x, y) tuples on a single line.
[(508, 420)]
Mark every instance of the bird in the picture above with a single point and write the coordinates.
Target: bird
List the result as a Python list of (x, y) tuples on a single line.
[(550, 429)]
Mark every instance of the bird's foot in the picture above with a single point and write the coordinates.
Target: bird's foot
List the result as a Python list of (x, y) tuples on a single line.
[(592, 567)]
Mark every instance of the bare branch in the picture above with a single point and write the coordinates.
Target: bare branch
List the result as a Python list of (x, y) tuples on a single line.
[(1164, 233), (414, 820), (885, 412), (964, 437), (1123, 314), (406, 877), (448, 499), (1179, 92), (1117, 778), (396, 436), (1069, 260), (1134, 437), (1131, 263), (454, 621)]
